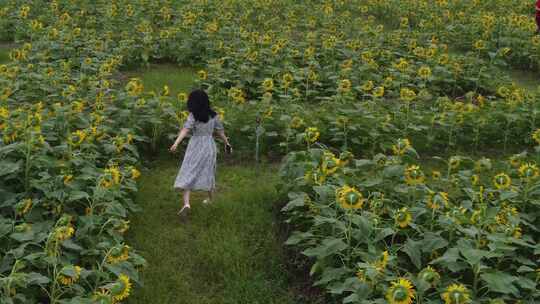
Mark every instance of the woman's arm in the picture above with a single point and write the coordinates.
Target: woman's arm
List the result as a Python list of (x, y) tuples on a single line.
[(221, 133), (181, 135)]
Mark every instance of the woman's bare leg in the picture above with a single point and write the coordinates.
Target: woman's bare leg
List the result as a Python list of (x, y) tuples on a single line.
[(186, 198), (211, 195)]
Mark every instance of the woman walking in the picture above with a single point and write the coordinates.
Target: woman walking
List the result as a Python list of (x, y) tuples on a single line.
[(199, 165)]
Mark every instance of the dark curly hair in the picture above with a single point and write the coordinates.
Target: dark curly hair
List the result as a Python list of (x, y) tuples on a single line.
[(199, 105)]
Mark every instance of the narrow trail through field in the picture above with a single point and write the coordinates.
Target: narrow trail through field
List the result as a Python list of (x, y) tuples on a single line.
[(226, 252)]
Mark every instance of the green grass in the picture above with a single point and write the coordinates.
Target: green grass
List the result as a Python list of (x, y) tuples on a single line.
[(179, 79), (226, 252), (526, 79)]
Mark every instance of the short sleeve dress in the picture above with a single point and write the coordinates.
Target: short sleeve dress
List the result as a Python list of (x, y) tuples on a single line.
[(198, 169)]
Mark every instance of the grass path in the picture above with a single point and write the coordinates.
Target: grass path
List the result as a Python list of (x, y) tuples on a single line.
[(179, 79), (227, 252)]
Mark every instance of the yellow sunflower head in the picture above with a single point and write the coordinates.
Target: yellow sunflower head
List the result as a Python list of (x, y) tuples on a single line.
[(401, 147), (414, 175), (502, 181), (536, 136), (330, 163), (529, 171), (349, 197), (436, 175), (475, 179), (403, 217), (312, 134), (121, 288), (400, 292), (456, 294), (454, 162)]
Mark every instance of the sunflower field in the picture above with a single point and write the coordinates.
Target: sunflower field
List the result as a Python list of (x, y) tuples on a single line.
[(355, 94)]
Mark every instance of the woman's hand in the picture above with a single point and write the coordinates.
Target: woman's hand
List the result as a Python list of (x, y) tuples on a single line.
[(173, 148), (228, 148)]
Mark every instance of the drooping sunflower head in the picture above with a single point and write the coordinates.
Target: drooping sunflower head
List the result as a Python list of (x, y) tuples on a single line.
[(502, 181), (536, 136), (436, 175), (403, 217), (345, 157), (296, 122), (401, 147), (400, 292), (118, 254), (414, 175), (529, 171), (430, 276), (121, 288), (349, 197), (312, 134), (330, 163), (454, 162), (456, 294)]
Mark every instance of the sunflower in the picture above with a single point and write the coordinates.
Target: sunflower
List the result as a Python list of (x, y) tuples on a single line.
[(349, 197), (24, 206), (330, 163), (102, 296), (403, 217), (414, 176), (436, 200), (268, 84), (517, 232), (436, 175), (400, 292), (296, 122), (361, 275), (456, 294), (121, 288), (424, 72), (367, 86), (401, 147), (475, 179), (479, 45), (287, 79), (454, 162), (69, 275), (529, 171), (380, 265), (407, 95), (203, 75), (502, 181), (64, 232), (378, 92), (312, 134), (430, 276), (135, 173), (344, 86), (118, 254)]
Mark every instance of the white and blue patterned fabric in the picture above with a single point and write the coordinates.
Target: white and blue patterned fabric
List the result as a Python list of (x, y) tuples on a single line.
[(198, 169)]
